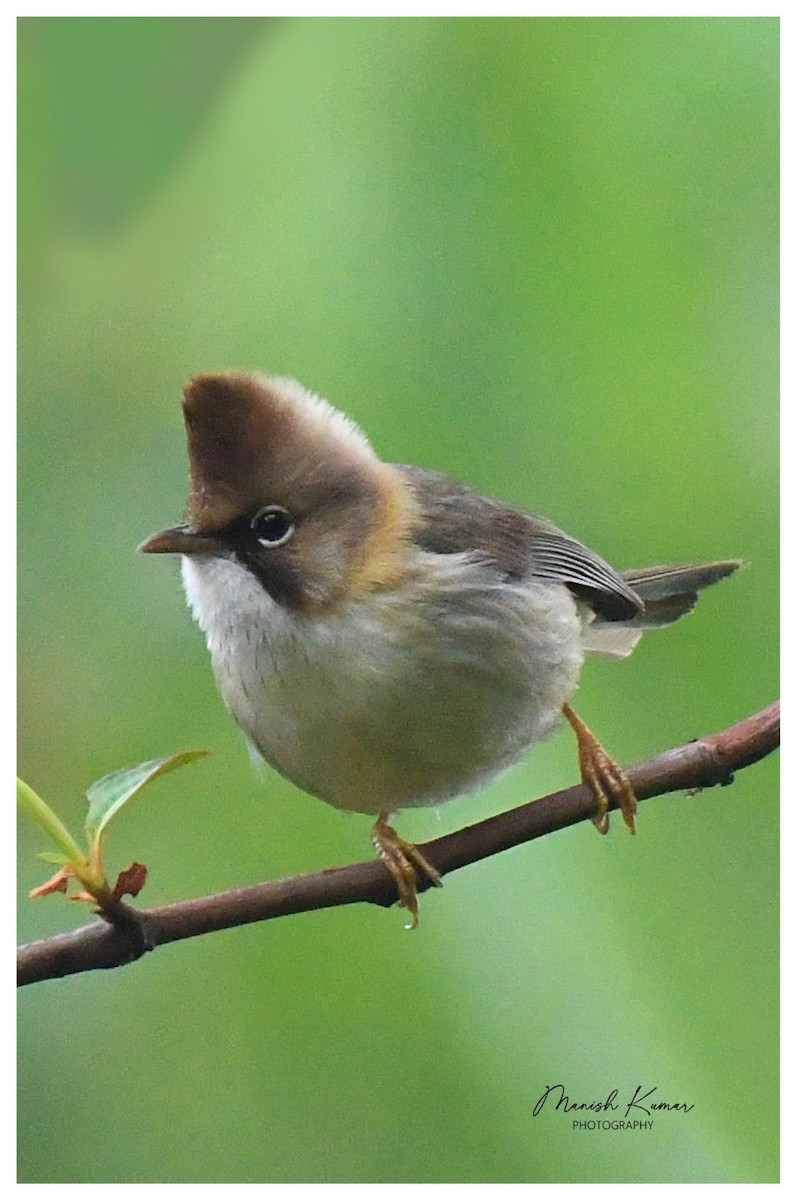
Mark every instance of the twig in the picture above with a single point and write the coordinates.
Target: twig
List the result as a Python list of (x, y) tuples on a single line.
[(700, 764)]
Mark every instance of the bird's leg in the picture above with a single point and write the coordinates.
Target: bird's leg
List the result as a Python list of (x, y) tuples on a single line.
[(602, 775), (401, 859)]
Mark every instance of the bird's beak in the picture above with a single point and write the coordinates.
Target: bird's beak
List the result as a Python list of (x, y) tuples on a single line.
[(183, 539)]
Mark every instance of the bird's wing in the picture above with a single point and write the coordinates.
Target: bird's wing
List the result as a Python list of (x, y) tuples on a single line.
[(456, 519)]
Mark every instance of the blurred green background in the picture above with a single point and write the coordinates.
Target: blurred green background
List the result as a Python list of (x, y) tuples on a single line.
[(540, 255)]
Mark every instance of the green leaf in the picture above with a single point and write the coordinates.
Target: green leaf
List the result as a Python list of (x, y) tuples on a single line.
[(109, 794), (58, 860), (45, 818)]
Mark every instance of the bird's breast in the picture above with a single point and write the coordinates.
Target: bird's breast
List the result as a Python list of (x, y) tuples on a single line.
[(402, 697)]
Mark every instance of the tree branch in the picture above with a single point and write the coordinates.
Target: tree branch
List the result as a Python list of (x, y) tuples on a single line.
[(700, 764)]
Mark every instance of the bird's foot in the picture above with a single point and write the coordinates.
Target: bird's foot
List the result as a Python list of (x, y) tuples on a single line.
[(402, 860), (603, 777)]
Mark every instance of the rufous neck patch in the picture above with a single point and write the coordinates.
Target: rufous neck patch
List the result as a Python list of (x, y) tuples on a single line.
[(387, 557)]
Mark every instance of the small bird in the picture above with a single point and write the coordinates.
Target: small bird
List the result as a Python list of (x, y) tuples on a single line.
[(387, 637)]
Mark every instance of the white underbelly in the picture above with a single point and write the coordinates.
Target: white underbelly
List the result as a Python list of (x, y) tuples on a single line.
[(406, 697)]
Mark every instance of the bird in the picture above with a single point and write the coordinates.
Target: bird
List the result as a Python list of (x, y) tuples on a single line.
[(385, 636)]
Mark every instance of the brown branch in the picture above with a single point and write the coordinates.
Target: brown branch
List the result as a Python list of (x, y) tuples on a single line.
[(700, 764)]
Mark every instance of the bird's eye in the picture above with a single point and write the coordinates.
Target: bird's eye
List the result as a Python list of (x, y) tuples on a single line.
[(273, 525)]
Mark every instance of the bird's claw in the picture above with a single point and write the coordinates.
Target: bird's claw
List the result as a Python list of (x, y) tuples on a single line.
[(607, 781), (403, 861)]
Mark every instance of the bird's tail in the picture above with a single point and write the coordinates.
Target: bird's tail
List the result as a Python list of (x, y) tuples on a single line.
[(667, 593)]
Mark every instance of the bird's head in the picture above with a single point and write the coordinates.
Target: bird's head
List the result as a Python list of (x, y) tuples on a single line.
[(288, 487)]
